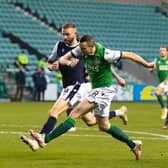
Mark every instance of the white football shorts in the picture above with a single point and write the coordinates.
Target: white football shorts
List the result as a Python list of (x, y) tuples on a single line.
[(164, 85), (75, 93), (102, 97)]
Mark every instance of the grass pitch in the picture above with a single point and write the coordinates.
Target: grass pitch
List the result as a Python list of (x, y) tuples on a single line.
[(85, 148)]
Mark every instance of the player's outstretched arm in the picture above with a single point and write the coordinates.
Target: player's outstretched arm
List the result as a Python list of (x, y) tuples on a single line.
[(119, 79), (136, 58)]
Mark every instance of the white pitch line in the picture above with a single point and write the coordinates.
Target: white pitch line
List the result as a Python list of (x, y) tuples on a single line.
[(82, 135), (19, 126), (136, 132), (79, 135), (152, 135), (148, 133), (12, 132)]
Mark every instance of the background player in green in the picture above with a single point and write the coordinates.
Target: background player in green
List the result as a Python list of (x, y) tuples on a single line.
[(98, 62), (161, 66)]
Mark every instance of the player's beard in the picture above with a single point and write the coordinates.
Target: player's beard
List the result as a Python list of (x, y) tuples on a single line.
[(69, 42)]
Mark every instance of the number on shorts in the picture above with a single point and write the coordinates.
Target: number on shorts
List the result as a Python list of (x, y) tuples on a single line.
[(95, 93)]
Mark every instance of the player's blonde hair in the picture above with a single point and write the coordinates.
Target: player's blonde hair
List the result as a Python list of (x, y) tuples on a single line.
[(69, 25)]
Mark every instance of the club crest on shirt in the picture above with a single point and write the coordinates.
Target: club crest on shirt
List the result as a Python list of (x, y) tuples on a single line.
[(91, 67), (63, 50)]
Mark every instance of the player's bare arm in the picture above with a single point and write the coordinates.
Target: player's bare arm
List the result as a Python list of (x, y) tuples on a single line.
[(68, 60), (119, 79), (136, 58)]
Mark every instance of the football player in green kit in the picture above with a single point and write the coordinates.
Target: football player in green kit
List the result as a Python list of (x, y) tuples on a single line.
[(161, 66), (98, 60)]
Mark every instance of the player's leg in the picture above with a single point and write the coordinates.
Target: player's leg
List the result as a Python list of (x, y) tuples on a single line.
[(79, 110), (117, 133), (84, 89), (103, 97), (166, 120), (21, 92), (59, 107), (121, 112), (38, 94), (69, 97), (166, 123), (68, 111), (17, 92), (158, 91), (89, 119), (64, 101)]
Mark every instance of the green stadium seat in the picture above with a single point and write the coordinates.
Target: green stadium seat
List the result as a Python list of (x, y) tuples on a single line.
[(131, 27)]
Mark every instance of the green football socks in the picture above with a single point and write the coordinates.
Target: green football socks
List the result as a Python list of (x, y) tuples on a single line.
[(61, 129), (120, 135), (69, 122), (160, 100)]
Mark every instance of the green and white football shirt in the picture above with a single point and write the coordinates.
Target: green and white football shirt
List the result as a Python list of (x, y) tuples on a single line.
[(99, 65), (162, 68)]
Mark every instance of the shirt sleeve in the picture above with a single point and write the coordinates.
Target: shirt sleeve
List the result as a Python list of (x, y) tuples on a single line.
[(76, 52), (53, 57), (112, 55)]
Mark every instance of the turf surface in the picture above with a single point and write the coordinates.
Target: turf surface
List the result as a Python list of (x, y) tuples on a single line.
[(85, 148)]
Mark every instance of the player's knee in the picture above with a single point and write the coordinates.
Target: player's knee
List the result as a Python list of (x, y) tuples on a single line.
[(90, 121), (103, 128), (52, 113), (78, 109), (75, 114)]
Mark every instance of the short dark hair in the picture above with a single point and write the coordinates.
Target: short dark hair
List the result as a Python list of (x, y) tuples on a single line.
[(162, 46), (69, 25), (87, 38)]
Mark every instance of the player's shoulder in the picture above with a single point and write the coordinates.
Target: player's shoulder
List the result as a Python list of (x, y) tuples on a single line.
[(60, 43), (99, 45)]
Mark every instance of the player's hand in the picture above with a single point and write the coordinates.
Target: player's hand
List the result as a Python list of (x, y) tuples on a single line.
[(151, 69), (54, 66), (151, 65), (121, 82), (73, 62)]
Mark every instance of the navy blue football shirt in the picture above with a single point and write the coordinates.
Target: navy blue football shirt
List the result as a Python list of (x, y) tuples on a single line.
[(70, 75)]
